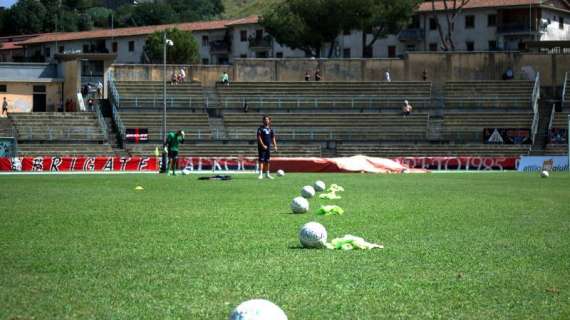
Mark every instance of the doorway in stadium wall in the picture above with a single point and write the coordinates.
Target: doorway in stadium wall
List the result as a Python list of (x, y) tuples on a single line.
[(39, 99)]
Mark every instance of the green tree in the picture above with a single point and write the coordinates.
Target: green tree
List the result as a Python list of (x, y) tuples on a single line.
[(193, 10), (305, 25), (25, 17), (152, 14), (69, 21), (184, 51), (377, 18), (100, 16), (85, 22)]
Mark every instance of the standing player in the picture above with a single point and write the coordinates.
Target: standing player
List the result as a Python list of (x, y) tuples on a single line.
[(265, 138), (173, 140)]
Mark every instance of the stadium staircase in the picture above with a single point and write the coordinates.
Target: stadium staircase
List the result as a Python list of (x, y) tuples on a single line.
[(6, 128), (60, 134)]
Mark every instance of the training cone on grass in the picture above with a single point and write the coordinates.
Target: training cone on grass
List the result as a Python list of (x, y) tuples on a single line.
[(139, 188)]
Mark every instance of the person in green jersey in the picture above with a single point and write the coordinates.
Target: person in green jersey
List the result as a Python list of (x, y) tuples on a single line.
[(173, 141)]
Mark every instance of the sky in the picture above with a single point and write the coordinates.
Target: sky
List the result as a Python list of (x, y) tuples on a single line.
[(7, 3)]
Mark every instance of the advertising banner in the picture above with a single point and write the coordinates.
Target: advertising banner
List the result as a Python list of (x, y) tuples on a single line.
[(136, 135), (506, 136), (536, 163), (81, 164)]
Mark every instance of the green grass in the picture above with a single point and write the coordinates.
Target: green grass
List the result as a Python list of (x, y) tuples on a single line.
[(457, 246)]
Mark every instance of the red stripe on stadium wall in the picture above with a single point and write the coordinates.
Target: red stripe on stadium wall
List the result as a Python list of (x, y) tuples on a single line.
[(88, 164), (81, 164)]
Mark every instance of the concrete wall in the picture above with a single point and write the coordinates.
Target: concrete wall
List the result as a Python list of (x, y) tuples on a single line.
[(438, 67), (27, 71), (208, 75), (20, 96)]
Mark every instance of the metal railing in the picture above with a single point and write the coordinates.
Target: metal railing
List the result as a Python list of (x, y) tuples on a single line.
[(325, 134), (562, 102), (298, 102), (54, 133), (119, 123), (113, 89), (534, 104), (157, 102), (101, 119)]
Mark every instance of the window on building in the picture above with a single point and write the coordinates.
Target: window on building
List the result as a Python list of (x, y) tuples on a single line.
[(205, 61), (368, 52), (47, 52), (411, 47), (346, 53), (115, 46), (39, 89), (346, 32), (415, 24), (470, 45), (243, 56), (432, 24), (279, 55), (561, 23), (85, 48), (491, 20), (258, 34), (433, 46), (3, 88), (391, 51), (492, 45), (131, 46), (61, 49), (243, 35), (469, 22), (204, 41)]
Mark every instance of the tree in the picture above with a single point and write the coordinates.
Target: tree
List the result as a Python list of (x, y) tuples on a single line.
[(193, 10), (451, 9), (152, 14), (305, 25), (100, 16), (184, 51), (377, 18), (25, 17)]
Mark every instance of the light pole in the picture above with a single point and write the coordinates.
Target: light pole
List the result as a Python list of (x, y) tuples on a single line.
[(166, 42)]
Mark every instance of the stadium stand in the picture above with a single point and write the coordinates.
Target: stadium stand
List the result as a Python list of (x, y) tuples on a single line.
[(333, 126), (560, 121), (323, 95), (148, 94), (468, 126), (427, 150), (60, 134), (488, 94)]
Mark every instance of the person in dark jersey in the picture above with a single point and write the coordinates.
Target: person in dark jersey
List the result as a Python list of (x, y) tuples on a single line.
[(265, 139), (173, 141)]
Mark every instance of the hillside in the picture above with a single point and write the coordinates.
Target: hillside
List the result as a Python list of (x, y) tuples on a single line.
[(243, 8)]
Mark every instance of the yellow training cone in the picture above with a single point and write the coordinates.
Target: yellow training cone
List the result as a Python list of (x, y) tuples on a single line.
[(139, 188)]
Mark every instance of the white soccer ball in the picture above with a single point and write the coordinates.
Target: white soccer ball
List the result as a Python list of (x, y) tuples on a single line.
[(308, 192), (544, 174), (258, 309), (320, 186), (280, 173), (313, 235), (299, 205), (185, 172)]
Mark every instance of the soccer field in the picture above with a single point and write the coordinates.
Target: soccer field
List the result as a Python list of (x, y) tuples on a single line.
[(457, 246)]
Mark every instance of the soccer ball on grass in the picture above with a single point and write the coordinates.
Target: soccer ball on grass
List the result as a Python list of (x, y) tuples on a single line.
[(280, 173), (320, 186), (544, 174), (313, 235), (299, 205), (258, 309), (308, 192)]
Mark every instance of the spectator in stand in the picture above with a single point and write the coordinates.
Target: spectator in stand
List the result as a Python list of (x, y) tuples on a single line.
[(182, 75), (387, 76), (317, 75), (225, 79), (5, 107), (99, 90), (424, 75), (407, 108), (90, 104), (85, 90), (307, 76), (174, 78), (508, 75)]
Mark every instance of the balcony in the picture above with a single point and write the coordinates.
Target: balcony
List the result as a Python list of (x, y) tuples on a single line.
[(411, 35), (515, 28), (220, 47), (264, 43)]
